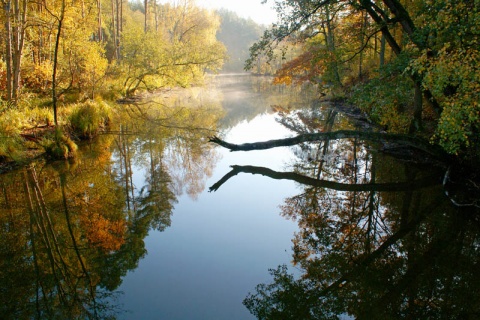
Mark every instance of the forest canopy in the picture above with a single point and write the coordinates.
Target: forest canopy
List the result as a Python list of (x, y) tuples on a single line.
[(413, 66), (81, 47), (62, 63)]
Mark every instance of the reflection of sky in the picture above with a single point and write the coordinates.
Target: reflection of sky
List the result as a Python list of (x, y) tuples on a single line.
[(220, 246)]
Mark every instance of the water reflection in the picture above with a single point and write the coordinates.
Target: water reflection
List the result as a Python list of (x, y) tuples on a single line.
[(58, 235), (378, 238), (245, 97), (70, 231)]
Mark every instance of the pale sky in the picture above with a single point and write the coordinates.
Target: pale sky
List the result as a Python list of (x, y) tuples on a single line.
[(260, 13)]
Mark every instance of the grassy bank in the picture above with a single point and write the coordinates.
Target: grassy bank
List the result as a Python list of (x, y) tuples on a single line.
[(28, 131)]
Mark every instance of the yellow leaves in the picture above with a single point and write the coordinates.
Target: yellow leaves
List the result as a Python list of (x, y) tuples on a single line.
[(178, 53), (393, 120), (282, 80), (453, 77)]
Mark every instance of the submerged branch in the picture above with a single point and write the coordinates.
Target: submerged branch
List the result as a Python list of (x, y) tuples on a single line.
[(341, 134), (386, 187)]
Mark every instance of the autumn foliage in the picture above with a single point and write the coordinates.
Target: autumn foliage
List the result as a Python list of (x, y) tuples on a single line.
[(413, 67)]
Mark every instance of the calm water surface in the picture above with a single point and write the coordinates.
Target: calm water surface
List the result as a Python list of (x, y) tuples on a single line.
[(220, 245), (131, 231)]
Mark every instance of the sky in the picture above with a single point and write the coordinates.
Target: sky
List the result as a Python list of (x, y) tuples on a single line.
[(260, 13)]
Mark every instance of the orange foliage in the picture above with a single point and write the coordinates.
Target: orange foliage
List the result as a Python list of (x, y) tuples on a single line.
[(103, 233), (299, 70)]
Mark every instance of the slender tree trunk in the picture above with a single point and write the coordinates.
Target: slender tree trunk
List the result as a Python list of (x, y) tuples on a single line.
[(119, 26), (363, 40), (18, 40), (99, 21), (120, 19), (146, 16), (114, 30), (382, 51), (55, 63), (331, 45), (8, 48), (155, 8), (15, 22), (416, 123), (408, 27), (39, 56)]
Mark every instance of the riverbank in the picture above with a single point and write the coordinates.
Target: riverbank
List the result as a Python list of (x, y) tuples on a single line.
[(29, 133)]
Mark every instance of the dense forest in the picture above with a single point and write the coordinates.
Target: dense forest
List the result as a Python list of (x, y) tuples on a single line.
[(78, 46), (63, 63), (412, 66), (237, 34)]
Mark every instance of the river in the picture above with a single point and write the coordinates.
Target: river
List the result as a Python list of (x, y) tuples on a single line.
[(153, 221)]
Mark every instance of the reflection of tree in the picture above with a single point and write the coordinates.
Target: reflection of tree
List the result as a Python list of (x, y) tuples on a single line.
[(155, 201), (69, 232), (246, 96), (56, 250), (174, 133), (319, 183), (411, 274), (377, 238), (67, 239)]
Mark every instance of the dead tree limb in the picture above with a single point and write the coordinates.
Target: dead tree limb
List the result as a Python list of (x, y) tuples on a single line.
[(400, 139)]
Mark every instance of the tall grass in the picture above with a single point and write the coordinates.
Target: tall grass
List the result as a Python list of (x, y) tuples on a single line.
[(11, 146), (87, 119)]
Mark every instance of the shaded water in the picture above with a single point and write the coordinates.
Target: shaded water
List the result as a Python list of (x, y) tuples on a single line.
[(130, 230)]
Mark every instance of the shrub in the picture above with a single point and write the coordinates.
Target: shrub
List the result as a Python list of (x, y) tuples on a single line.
[(88, 118), (386, 106), (59, 146)]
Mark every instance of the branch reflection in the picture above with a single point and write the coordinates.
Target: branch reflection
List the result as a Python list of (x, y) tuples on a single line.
[(377, 238)]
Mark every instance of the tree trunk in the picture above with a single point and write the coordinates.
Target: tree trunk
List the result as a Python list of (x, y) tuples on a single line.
[(99, 21), (114, 30), (15, 17), (119, 9), (8, 48), (18, 41), (155, 12), (416, 123), (382, 51), (55, 63), (362, 43), (331, 45), (145, 26), (408, 27)]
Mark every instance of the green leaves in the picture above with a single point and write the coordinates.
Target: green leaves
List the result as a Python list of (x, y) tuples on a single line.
[(453, 76), (178, 54)]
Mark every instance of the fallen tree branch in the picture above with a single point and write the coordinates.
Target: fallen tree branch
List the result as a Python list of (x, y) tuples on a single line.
[(410, 141)]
